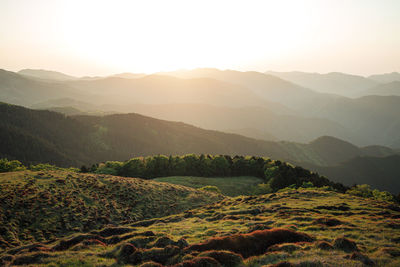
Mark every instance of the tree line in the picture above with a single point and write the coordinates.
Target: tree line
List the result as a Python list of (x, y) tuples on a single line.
[(275, 173)]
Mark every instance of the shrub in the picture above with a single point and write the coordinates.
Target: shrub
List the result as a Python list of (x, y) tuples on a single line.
[(251, 244), (49, 167), (307, 185), (365, 190), (11, 165)]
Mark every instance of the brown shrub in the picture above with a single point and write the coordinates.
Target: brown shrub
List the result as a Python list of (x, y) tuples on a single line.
[(391, 251), (252, 244), (125, 251), (284, 247), (199, 262), (361, 257), (110, 231), (66, 244), (345, 244), (282, 264), (150, 264), (328, 221), (225, 258), (159, 255), (30, 259), (166, 241), (324, 245)]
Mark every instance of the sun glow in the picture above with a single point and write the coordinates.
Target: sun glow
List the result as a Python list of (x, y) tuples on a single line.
[(168, 35), (101, 37)]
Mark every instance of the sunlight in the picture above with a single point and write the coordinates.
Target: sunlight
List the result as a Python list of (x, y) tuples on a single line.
[(125, 36)]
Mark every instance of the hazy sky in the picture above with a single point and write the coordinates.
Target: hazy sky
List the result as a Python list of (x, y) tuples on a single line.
[(102, 37)]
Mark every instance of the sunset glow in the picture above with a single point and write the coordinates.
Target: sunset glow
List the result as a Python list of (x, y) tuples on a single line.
[(98, 37)]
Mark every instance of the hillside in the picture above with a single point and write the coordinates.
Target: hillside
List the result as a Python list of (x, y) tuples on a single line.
[(152, 89), (304, 227), (386, 77), (47, 74), (229, 186), (386, 89), (23, 90), (267, 86), (367, 116), (43, 206), (334, 82), (379, 172), (266, 121)]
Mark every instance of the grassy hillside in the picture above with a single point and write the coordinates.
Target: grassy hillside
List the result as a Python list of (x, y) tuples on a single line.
[(229, 186), (305, 227), (43, 206)]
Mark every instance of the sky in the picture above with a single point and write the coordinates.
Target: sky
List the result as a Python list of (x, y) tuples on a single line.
[(104, 37)]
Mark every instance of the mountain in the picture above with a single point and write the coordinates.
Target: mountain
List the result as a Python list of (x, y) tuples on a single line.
[(157, 89), (128, 75), (386, 77), (380, 172), (23, 90), (333, 83), (153, 89), (308, 114), (387, 89), (373, 118), (263, 120), (46, 74), (34, 136), (267, 86)]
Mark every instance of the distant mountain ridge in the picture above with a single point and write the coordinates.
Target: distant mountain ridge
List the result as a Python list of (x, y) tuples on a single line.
[(334, 82), (386, 77), (269, 105), (47, 74), (387, 89)]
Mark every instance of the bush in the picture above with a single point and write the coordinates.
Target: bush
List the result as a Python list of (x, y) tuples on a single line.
[(109, 167), (11, 165), (49, 167), (365, 190), (307, 185)]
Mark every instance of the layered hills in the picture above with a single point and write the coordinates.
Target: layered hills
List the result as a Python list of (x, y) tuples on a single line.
[(34, 136), (270, 107)]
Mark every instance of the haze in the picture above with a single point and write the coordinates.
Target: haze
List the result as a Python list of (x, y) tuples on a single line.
[(103, 37)]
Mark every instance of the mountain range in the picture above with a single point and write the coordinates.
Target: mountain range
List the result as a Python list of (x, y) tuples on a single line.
[(255, 104)]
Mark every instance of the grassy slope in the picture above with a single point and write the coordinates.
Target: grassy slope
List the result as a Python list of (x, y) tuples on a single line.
[(229, 186), (372, 225), (42, 206)]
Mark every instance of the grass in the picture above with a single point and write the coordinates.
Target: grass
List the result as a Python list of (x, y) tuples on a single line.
[(45, 205), (322, 217), (229, 186)]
